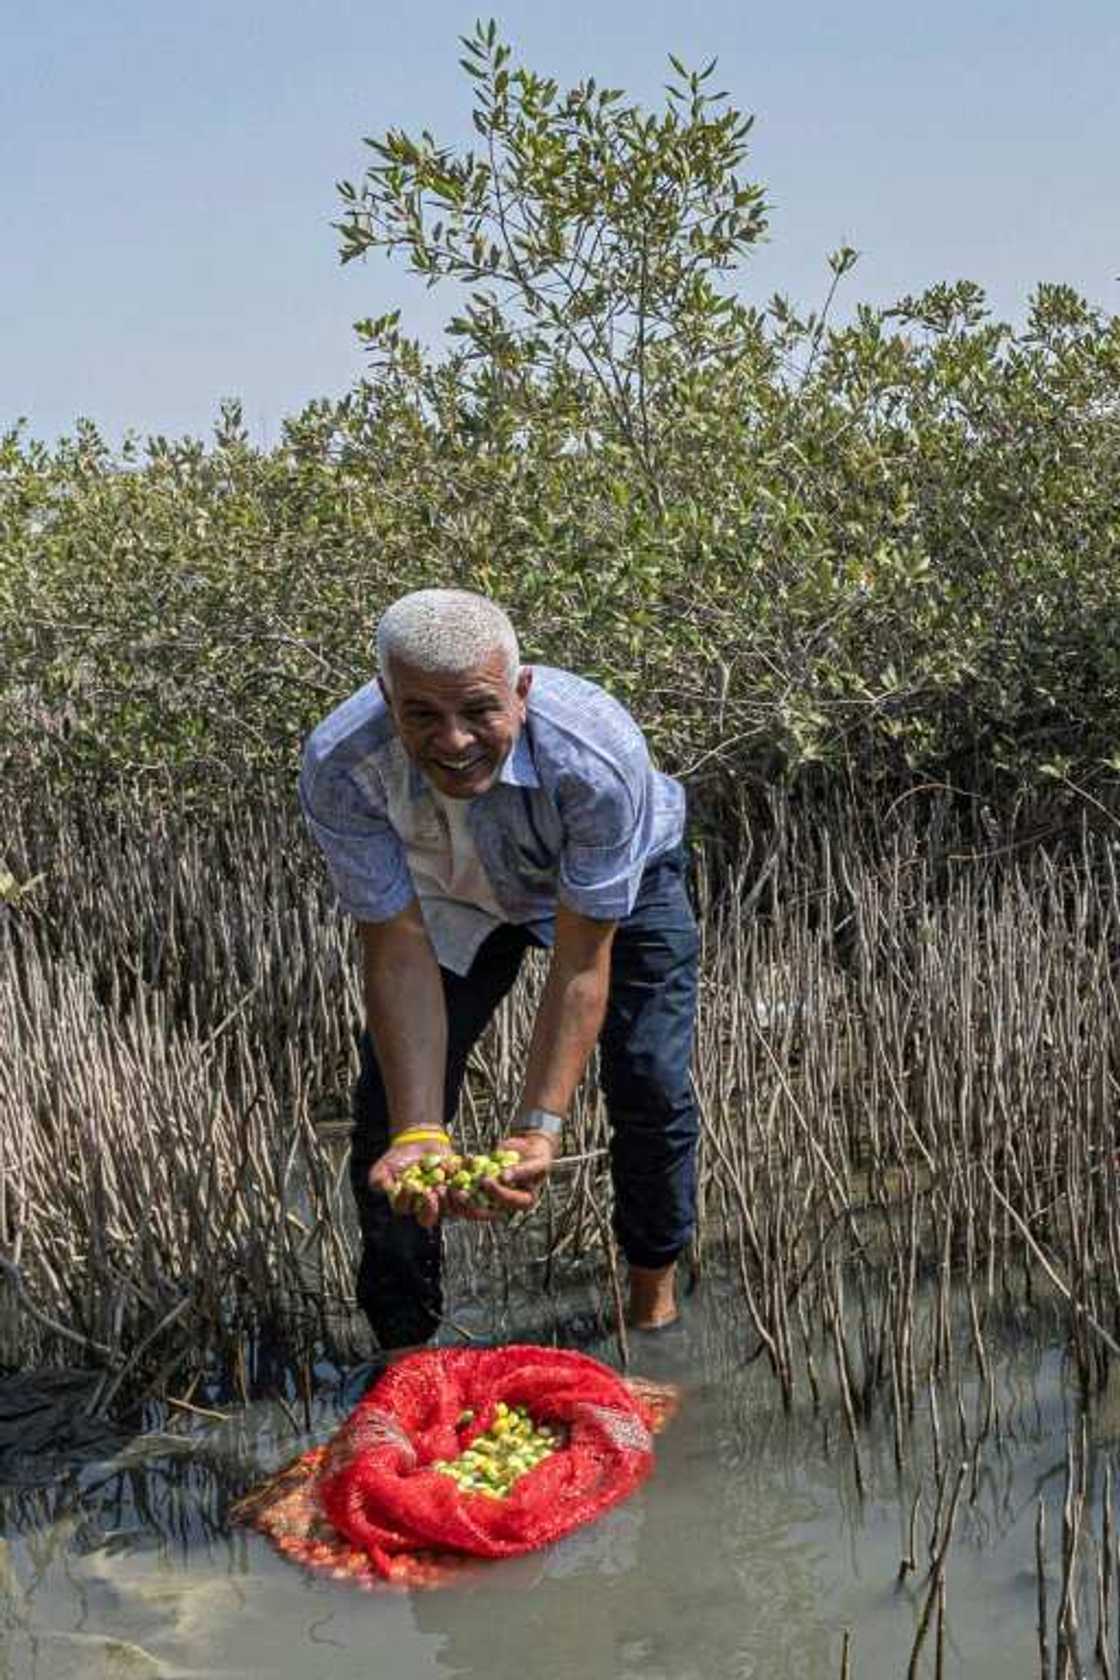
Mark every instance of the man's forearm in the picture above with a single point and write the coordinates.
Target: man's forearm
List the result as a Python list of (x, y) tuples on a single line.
[(565, 1032), (406, 1017)]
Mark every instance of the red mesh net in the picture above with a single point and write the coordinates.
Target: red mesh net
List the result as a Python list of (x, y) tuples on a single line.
[(372, 1505)]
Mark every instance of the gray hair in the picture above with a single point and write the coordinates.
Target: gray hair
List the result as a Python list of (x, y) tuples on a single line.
[(449, 630)]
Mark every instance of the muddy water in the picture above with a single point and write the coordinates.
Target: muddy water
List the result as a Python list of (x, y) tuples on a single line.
[(747, 1554)]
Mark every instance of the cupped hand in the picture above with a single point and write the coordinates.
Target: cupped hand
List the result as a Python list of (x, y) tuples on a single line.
[(424, 1205), (470, 1193), (518, 1186)]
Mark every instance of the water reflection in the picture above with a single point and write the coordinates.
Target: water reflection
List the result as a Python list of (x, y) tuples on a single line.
[(747, 1553)]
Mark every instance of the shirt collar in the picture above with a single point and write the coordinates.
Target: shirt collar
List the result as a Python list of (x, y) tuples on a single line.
[(519, 769)]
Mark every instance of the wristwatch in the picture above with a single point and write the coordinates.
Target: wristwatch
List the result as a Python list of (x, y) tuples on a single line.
[(539, 1120)]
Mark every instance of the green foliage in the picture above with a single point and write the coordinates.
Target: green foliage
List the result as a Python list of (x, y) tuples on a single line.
[(588, 234), (887, 548)]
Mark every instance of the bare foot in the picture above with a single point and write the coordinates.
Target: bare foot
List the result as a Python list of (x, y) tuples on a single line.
[(653, 1296)]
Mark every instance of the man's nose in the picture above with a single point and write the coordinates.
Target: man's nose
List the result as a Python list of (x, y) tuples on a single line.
[(453, 737)]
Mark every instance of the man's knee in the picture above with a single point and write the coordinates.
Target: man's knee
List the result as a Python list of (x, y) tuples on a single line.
[(653, 1129), (650, 1087)]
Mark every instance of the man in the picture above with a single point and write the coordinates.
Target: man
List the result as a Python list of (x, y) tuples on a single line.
[(469, 807)]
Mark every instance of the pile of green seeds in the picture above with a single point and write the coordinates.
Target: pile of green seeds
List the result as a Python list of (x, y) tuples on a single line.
[(467, 1173), (494, 1461)]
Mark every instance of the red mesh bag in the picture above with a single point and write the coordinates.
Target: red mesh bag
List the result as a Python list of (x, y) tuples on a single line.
[(371, 1506)]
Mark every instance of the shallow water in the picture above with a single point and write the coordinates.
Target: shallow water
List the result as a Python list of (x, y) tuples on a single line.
[(747, 1554)]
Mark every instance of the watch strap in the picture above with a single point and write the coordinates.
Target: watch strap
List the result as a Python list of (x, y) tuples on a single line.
[(540, 1120)]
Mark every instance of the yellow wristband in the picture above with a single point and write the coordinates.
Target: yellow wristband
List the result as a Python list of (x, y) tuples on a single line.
[(419, 1134)]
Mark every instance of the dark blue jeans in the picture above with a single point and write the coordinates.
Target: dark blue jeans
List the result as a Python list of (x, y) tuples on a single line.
[(645, 1051)]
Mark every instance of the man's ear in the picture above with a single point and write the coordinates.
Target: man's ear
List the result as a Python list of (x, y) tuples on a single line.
[(385, 695), (524, 682)]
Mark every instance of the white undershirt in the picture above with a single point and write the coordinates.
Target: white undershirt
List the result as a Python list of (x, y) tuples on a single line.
[(455, 894), (462, 875)]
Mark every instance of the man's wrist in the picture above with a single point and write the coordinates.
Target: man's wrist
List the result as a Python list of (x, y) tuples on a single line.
[(418, 1134), (542, 1122)]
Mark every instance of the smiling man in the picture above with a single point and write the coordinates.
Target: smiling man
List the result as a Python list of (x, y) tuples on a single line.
[(469, 807)]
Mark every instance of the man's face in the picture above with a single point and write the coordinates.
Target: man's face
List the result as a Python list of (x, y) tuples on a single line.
[(459, 727)]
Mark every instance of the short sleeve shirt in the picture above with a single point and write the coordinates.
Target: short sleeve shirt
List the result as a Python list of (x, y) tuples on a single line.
[(575, 816)]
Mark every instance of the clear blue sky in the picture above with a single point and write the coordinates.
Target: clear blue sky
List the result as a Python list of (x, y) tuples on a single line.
[(168, 170)]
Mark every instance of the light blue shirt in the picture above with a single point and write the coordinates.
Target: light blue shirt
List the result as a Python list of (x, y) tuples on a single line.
[(576, 814)]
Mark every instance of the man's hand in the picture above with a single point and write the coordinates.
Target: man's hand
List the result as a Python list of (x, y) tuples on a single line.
[(512, 1184), (517, 1189), (424, 1205)]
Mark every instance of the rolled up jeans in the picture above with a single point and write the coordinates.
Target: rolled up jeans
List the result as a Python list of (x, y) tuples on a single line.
[(645, 1052)]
